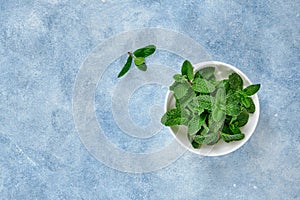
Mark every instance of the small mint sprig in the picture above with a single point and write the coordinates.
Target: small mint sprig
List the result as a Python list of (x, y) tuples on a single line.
[(138, 57)]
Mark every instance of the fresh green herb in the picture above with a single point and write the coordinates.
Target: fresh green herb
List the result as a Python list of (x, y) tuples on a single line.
[(211, 109), (188, 70), (206, 73), (251, 89), (139, 61), (174, 117), (126, 67), (203, 86), (235, 81), (138, 57), (145, 51), (229, 137)]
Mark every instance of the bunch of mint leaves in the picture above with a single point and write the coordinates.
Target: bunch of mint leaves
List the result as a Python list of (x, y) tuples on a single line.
[(138, 57), (211, 109)]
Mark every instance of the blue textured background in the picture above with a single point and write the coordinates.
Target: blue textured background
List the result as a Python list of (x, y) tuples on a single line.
[(44, 42)]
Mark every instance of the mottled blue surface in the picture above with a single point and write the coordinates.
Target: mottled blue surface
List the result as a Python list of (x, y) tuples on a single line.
[(42, 46)]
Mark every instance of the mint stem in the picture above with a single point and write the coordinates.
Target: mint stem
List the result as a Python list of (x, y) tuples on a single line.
[(131, 54)]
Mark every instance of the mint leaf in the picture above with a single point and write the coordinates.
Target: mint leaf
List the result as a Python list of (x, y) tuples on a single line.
[(215, 126), (194, 107), (207, 72), (171, 87), (251, 89), (145, 51), (179, 78), (226, 129), (204, 101), (229, 138), (181, 90), (198, 75), (142, 67), (189, 96), (220, 98), (211, 138), (231, 94), (199, 139), (203, 86), (234, 128), (126, 67), (241, 93), (173, 117), (187, 69), (215, 137), (223, 84), (235, 81), (251, 108), (246, 101), (226, 85), (233, 120), (204, 130), (242, 118), (218, 114), (195, 124), (233, 108), (139, 61), (196, 145)]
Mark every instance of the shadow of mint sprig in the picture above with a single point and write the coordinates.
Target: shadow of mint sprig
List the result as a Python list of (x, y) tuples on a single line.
[(211, 109), (138, 57)]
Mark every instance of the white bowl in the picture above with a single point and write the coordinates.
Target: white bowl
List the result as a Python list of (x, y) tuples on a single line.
[(222, 70)]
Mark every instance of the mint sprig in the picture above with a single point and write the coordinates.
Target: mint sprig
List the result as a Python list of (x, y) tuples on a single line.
[(211, 109), (138, 57)]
